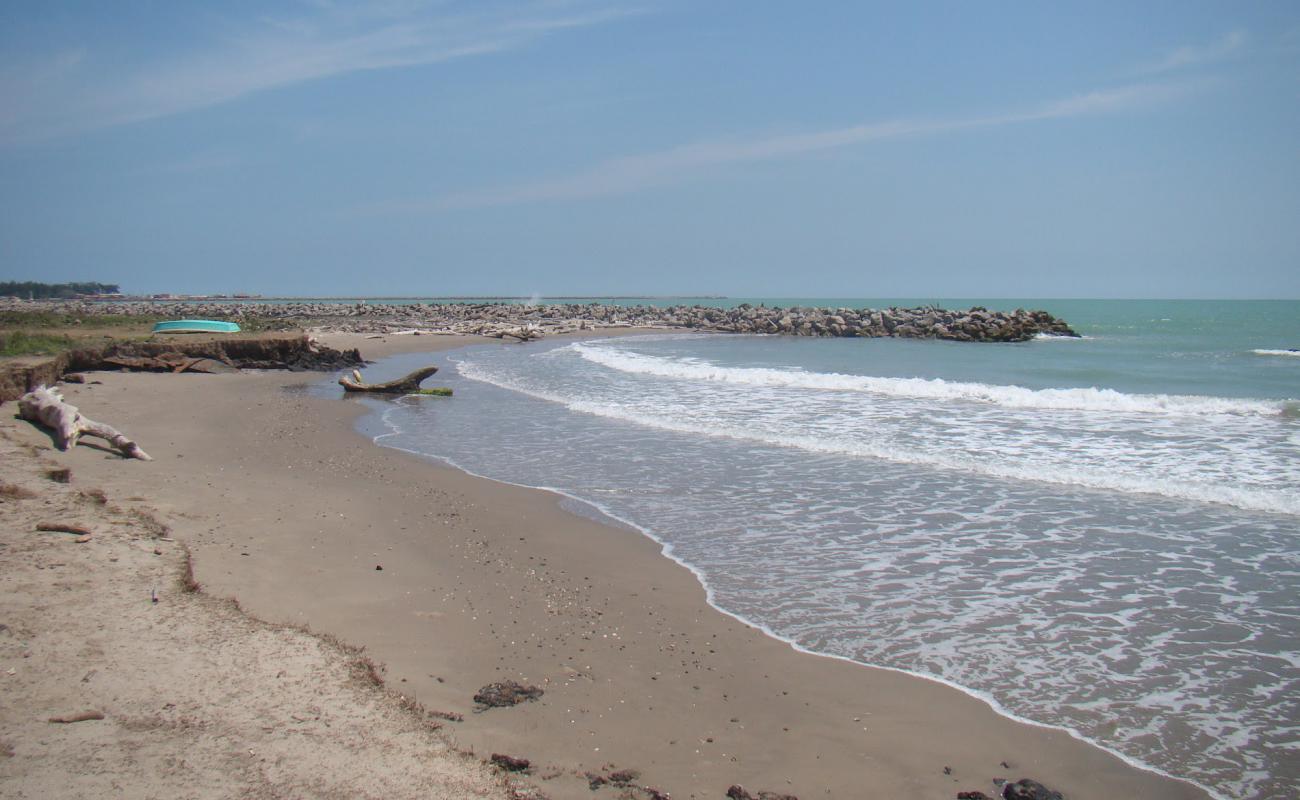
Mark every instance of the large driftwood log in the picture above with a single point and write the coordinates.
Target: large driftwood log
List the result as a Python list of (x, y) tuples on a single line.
[(46, 407), (411, 383)]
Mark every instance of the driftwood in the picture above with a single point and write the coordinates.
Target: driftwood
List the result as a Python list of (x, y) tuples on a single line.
[(411, 383), (85, 716), (171, 362), (63, 527), (521, 334), (46, 407)]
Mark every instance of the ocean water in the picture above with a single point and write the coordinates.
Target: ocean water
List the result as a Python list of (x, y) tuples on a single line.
[(1101, 534)]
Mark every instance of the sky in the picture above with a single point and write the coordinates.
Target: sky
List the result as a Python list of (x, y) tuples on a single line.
[(654, 147)]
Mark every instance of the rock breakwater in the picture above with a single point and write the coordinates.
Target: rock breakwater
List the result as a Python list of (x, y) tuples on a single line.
[(977, 324)]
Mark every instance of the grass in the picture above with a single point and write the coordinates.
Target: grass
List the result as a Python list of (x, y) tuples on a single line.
[(22, 343), (104, 324), (49, 319)]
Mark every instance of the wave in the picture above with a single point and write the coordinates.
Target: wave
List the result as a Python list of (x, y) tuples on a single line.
[(1268, 501), (1276, 352), (1019, 397)]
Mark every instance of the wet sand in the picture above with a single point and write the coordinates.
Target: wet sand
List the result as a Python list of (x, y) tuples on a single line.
[(291, 511)]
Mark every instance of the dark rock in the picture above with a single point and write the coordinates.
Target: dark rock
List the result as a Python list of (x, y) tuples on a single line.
[(1026, 789), (506, 693)]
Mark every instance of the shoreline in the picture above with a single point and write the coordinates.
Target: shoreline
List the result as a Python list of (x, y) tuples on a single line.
[(914, 727), (667, 552), (608, 518)]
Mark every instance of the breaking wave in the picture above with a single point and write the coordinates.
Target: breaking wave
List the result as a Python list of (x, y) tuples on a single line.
[(1089, 399), (1254, 499)]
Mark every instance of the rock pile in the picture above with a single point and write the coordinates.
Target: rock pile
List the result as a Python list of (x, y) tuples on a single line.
[(524, 322)]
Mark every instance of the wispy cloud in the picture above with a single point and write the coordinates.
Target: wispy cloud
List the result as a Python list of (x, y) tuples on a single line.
[(631, 173), (1191, 55), (70, 93)]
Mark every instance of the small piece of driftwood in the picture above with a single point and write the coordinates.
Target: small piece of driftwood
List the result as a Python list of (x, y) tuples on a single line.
[(411, 383), (46, 406), (84, 716), (64, 527)]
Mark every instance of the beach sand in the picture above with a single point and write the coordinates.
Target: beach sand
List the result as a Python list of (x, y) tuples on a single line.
[(453, 582)]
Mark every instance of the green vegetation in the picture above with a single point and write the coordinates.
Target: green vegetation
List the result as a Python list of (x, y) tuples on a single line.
[(437, 391), (49, 319), (43, 291), (22, 343)]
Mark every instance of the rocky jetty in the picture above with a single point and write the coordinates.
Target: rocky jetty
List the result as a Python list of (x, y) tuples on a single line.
[(525, 322)]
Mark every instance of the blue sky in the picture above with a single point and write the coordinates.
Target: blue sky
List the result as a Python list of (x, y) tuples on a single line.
[(834, 149)]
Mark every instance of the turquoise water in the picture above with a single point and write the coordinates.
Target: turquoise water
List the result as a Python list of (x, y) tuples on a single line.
[(1096, 533)]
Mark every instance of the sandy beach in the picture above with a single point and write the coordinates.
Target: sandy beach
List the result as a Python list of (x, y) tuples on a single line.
[(451, 582)]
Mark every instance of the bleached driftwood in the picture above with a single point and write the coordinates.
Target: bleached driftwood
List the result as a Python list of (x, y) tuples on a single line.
[(411, 383), (46, 406), (527, 333)]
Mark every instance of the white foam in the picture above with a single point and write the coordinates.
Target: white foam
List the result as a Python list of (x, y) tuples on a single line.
[(1270, 501), (1276, 352), (1089, 399)]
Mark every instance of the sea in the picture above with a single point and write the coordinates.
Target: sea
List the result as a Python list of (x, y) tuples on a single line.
[(1099, 534)]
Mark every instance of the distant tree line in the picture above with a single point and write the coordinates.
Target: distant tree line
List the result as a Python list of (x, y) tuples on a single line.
[(41, 291)]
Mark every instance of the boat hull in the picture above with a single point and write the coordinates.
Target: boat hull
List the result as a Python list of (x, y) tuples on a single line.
[(196, 326)]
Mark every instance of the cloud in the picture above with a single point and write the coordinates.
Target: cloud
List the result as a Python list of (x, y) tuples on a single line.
[(70, 93), (631, 173), (1190, 55)]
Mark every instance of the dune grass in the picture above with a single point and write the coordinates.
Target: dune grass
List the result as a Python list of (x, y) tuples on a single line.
[(23, 343), (50, 319)]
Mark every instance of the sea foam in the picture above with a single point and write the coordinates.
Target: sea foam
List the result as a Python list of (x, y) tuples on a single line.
[(1276, 352), (1079, 399), (1089, 477)]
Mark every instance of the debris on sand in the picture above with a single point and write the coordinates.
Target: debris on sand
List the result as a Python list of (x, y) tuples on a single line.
[(737, 792), (506, 693), (64, 527), (510, 763), (85, 716), (1027, 789)]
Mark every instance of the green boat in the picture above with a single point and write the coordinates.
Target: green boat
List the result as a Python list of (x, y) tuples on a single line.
[(195, 326)]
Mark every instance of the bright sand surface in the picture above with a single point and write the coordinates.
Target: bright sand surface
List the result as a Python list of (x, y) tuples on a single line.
[(288, 509)]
